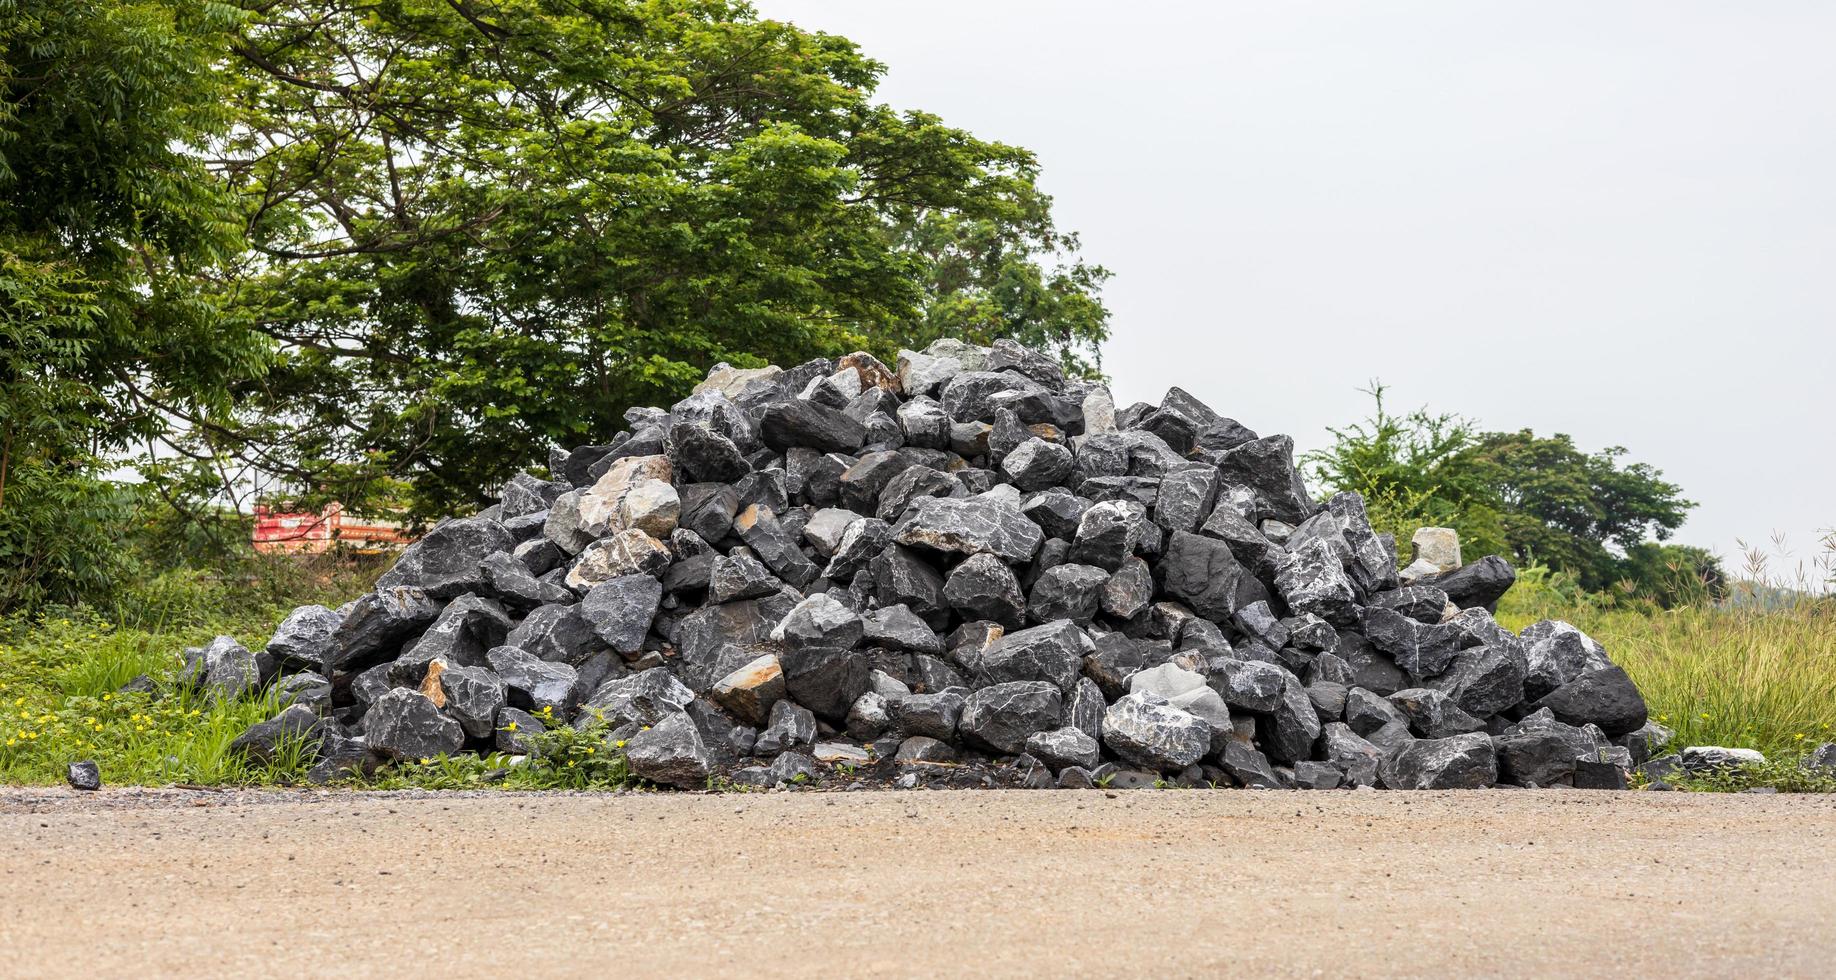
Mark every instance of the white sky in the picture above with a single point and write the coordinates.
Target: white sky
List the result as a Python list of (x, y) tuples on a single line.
[(1614, 220)]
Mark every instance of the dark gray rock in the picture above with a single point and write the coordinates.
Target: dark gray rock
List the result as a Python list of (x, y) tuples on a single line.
[(1351, 754), (930, 715), (1147, 731), (740, 576), (508, 580), (447, 562), (468, 627), (868, 718), (1556, 653), (1288, 732), (1056, 511), (1072, 592), (533, 683), (405, 725), (1484, 681), (1605, 697), (1432, 714), (910, 486), (643, 698), (85, 775), (983, 587), (306, 638), (896, 627), (1317, 775), (377, 624), (1001, 717), (1311, 580), (1422, 603), (1187, 497), (621, 609), (971, 525), (473, 697), (1202, 572), (1084, 708), (922, 749), (1052, 652), (230, 670), (900, 576), (799, 423), (1128, 591), (1541, 751), (1251, 769), (1250, 685), (1107, 532), (514, 731), (704, 455), (308, 689), (1037, 464), (1117, 658), (1714, 758), (1460, 762), (759, 527), (556, 632), (827, 680), (1481, 583), (1423, 651), (1062, 747), (791, 726), (1266, 466), (671, 753)]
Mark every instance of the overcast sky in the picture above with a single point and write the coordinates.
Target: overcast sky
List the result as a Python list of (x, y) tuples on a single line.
[(1614, 220)]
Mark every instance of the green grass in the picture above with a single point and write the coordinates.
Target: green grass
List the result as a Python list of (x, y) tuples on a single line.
[(1742, 677)]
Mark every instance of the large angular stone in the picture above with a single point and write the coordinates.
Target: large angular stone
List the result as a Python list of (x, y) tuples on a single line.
[(446, 562), (556, 632), (705, 455), (1037, 464), (1288, 732), (827, 680), (1002, 717), (1605, 697), (671, 753), (1071, 592), (928, 715), (532, 683), (626, 552), (1357, 758), (1311, 580), (1437, 546), (1061, 747), (1480, 584), (983, 587), (467, 628), (760, 528), (621, 609), (643, 698), (1423, 651), (263, 742), (1052, 652), (473, 696), (230, 670), (806, 424), (1541, 751), (1267, 466), (1556, 653), (1460, 762), (1107, 533), (306, 638), (1432, 714), (1147, 731), (791, 726), (1203, 572), (377, 623), (405, 725), (1484, 681), (969, 526)]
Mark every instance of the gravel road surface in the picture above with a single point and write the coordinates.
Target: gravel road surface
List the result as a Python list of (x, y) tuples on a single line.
[(1175, 883)]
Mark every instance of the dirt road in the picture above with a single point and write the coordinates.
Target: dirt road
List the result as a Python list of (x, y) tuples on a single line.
[(1175, 883)]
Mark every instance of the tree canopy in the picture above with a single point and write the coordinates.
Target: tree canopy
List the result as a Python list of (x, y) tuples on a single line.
[(478, 229), (1531, 498)]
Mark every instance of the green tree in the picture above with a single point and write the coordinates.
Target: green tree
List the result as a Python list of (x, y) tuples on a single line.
[(1529, 497), (481, 228), (106, 218)]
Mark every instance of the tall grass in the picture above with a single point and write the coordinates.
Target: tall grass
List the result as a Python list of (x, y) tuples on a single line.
[(1755, 671)]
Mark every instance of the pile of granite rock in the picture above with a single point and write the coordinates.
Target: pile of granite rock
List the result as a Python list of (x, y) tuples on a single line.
[(961, 569)]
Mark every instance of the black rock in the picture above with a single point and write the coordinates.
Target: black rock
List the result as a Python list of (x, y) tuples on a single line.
[(1541, 751), (1001, 717), (791, 726), (447, 561), (1605, 697), (929, 715), (1267, 466), (1311, 580), (670, 752), (1351, 754), (377, 624), (1481, 583), (555, 632), (972, 525), (405, 725), (263, 741), (1187, 497), (1422, 603), (1147, 731), (86, 776), (898, 628), (1422, 651), (983, 587), (1062, 747), (1037, 464), (1432, 714), (642, 698), (1460, 762), (1072, 592), (799, 423), (1484, 681), (473, 697), (1052, 652), (467, 628), (899, 575), (1128, 591), (759, 527), (532, 683), (1203, 572), (621, 609), (1251, 769), (306, 638), (1106, 533)]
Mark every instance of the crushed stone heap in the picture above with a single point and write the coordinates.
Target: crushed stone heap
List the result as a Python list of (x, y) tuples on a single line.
[(965, 570)]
